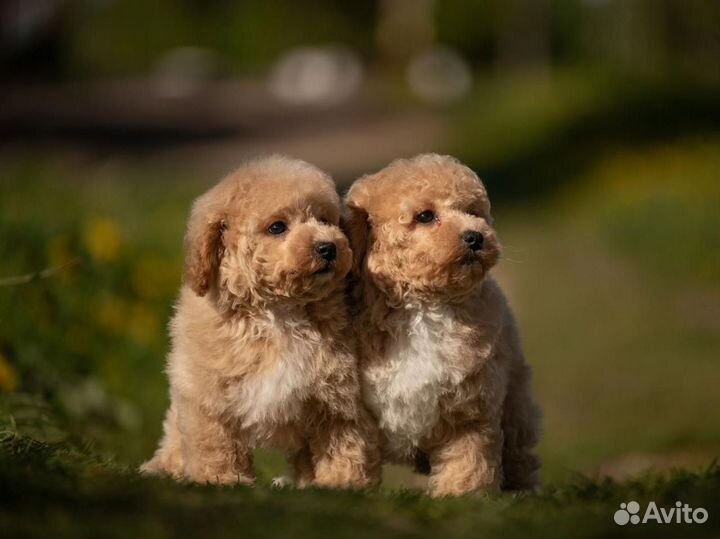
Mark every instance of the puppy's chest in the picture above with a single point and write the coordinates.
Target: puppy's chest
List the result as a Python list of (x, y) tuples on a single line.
[(276, 393), (419, 365)]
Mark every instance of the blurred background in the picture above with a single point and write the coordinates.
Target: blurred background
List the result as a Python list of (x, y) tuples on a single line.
[(595, 125)]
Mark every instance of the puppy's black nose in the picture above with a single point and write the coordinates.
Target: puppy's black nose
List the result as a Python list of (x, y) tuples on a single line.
[(326, 250), (472, 239)]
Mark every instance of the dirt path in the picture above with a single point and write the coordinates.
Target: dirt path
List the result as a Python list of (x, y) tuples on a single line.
[(217, 126)]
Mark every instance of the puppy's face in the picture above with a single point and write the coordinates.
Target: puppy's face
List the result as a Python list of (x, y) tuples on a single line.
[(267, 233), (424, 225)]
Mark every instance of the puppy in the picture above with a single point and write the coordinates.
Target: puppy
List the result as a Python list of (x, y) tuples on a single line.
[(260, 354), (441, 365)]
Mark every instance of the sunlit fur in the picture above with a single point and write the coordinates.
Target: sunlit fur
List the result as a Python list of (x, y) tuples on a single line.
[(441, 365), (260, 352)]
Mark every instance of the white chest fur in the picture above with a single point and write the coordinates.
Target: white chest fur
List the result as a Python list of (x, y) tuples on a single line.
[(403, 390), (275, 394)]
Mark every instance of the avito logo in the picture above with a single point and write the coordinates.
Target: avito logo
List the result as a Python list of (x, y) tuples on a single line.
[(682, 513)]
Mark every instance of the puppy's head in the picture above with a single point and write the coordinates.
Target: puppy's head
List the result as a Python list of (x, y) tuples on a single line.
[(421, 228), (267, 233)]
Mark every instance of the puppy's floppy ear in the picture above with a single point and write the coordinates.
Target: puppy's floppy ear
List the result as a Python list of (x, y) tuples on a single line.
[(485, 201), (203, 247), (356, 224), (484, 198)]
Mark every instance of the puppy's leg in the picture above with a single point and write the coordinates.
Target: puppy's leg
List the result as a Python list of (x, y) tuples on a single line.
[(346, 454), (168, 456), (303, 469), (212, 451), (470, 460), (521, 428)]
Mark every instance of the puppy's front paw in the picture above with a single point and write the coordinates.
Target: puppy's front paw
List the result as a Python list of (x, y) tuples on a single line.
[(225, 478), (163, 465), (283, 481)]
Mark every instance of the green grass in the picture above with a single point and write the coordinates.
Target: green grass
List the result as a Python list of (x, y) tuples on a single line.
[(613, 277), (76, 494), (617, 301)]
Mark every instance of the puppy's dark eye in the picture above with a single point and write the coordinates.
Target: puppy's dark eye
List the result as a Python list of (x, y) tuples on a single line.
[(325, 221), (427, 216), (278, 227)]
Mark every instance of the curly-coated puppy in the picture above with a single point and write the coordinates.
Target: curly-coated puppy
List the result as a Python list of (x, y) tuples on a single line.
[(260, 354), (440, 359)]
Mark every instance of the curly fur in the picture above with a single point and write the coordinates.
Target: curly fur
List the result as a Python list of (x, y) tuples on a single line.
[(260, 354), (440, 359)]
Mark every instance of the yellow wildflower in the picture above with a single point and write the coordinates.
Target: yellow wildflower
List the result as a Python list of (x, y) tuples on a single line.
[(112, 314), (103, 239), (59, 252), (8, 376), (143, 325)]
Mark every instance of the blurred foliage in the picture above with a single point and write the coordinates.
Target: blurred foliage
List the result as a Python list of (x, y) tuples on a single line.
[(128, 36), (637, 36), (99, 38), (90, 339), (659, 206)]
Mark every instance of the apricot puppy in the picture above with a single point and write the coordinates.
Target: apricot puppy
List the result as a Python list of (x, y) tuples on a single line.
[(440, 358), (260, 354)]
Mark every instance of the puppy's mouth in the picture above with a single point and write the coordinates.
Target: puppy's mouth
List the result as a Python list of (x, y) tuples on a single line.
[(327, 267), (470, 259)]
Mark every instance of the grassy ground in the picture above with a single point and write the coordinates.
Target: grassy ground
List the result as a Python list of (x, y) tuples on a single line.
[(75, 494), (613, 274)]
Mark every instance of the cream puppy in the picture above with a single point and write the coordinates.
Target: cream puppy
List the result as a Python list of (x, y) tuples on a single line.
[(440, 358), (260, 354)]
